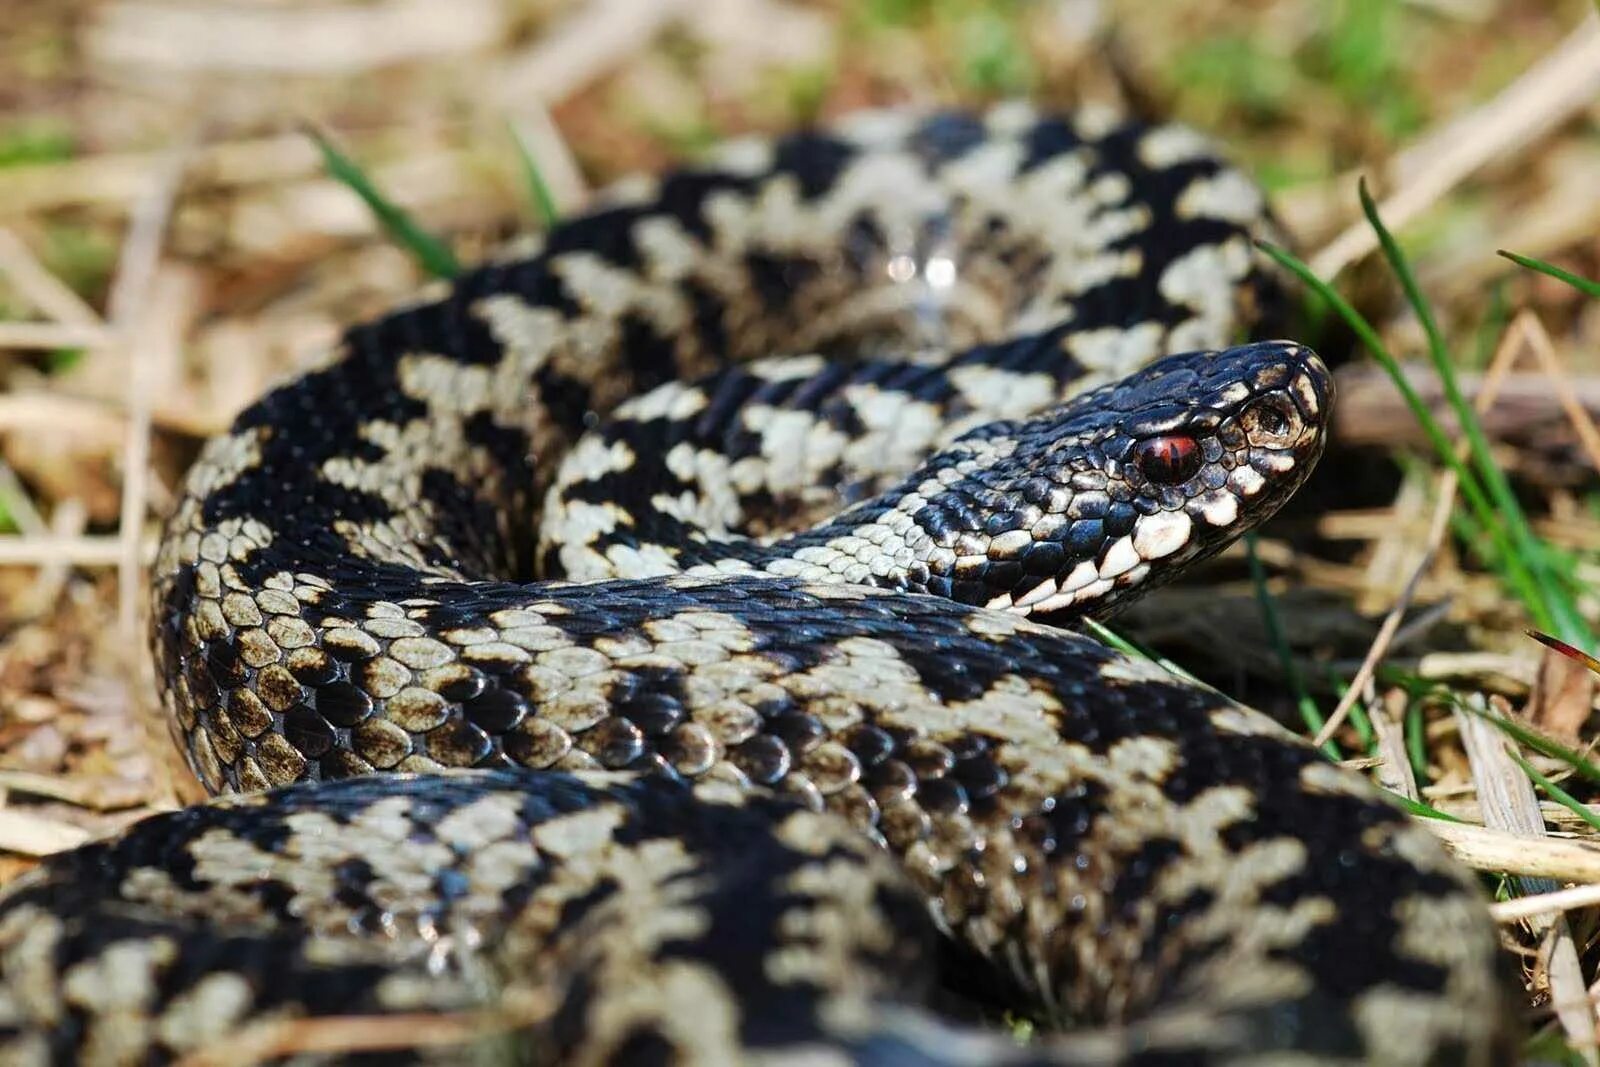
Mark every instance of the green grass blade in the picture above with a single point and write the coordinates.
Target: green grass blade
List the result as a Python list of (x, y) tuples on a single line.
[(1417, 741), (1512, 568), (1309, 712), (1107, 636), (1556, 793), (1577, 281), (1417, 807), (434, 256), (1552, 602), (1357, 716), (544, 202), (1519, 732)]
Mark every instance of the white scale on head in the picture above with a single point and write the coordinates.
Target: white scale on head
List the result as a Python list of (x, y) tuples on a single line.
[(1153, 537)]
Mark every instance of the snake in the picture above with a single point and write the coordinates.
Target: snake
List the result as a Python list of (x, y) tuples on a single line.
[(660, 645)]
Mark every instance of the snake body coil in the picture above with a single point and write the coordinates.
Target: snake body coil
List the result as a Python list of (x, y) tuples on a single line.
[(715, 638)]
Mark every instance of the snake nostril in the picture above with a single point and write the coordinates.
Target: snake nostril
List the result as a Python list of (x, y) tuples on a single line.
[(1271, 421), (1168, 459)]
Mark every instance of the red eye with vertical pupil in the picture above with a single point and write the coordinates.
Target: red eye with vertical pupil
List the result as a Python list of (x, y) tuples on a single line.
[(1167, 460)]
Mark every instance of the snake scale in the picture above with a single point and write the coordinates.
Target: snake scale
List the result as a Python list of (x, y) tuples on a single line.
[(678, 570)]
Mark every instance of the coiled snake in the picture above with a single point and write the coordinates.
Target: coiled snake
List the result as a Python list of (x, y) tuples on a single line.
[(704, 534)]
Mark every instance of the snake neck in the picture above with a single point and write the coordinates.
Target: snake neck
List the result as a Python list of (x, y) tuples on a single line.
[(1069, 512)]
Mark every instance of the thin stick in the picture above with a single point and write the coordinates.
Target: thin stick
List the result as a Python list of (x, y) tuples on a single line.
[(39, 287), (141, 253), (1582, 896), (88, 551), (1444, 504), (48, 335), (1538, 339)]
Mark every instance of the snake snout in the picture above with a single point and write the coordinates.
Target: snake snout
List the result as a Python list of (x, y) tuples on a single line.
[(1188, 454), (1290, 402)]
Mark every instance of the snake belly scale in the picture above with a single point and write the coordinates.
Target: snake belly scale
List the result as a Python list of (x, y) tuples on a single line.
[(623, 655)]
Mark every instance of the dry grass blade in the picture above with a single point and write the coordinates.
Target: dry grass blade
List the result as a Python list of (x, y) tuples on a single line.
[(39, 287), (1510, 804), (119, 178), (113, 794), (587, 45), (52, 335), (1497, 852), (89, 420), (275, 1039), (1581, 896), (136, 269), (300, 38), (1394, 771), (91, 551), (1559, 86), (28, 834), (1438, 526)]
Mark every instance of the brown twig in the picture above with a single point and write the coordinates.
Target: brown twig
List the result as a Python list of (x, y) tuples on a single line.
[(597, 39), (136, 269), (42, 289), (50, 335), (90, 551), (1444, 503), (1529, 329)]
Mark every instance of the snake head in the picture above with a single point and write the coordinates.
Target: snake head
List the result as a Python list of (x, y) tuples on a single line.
[(1072, 511)]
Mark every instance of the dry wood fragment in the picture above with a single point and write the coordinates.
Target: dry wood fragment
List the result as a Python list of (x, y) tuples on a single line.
[(586, 46), (332, 38), (34, 835)]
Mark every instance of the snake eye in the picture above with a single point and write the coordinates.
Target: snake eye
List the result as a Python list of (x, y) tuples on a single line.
[(1267, 423), (1167, 460)]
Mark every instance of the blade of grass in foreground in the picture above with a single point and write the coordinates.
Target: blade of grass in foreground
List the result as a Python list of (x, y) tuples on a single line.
[(544, 202), (1309, 712), (1107, 636), (1552, 597), (1417, 807), (1504, 559), (1556, 793), (1577, 281), (1519, 732), (428, 250)]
